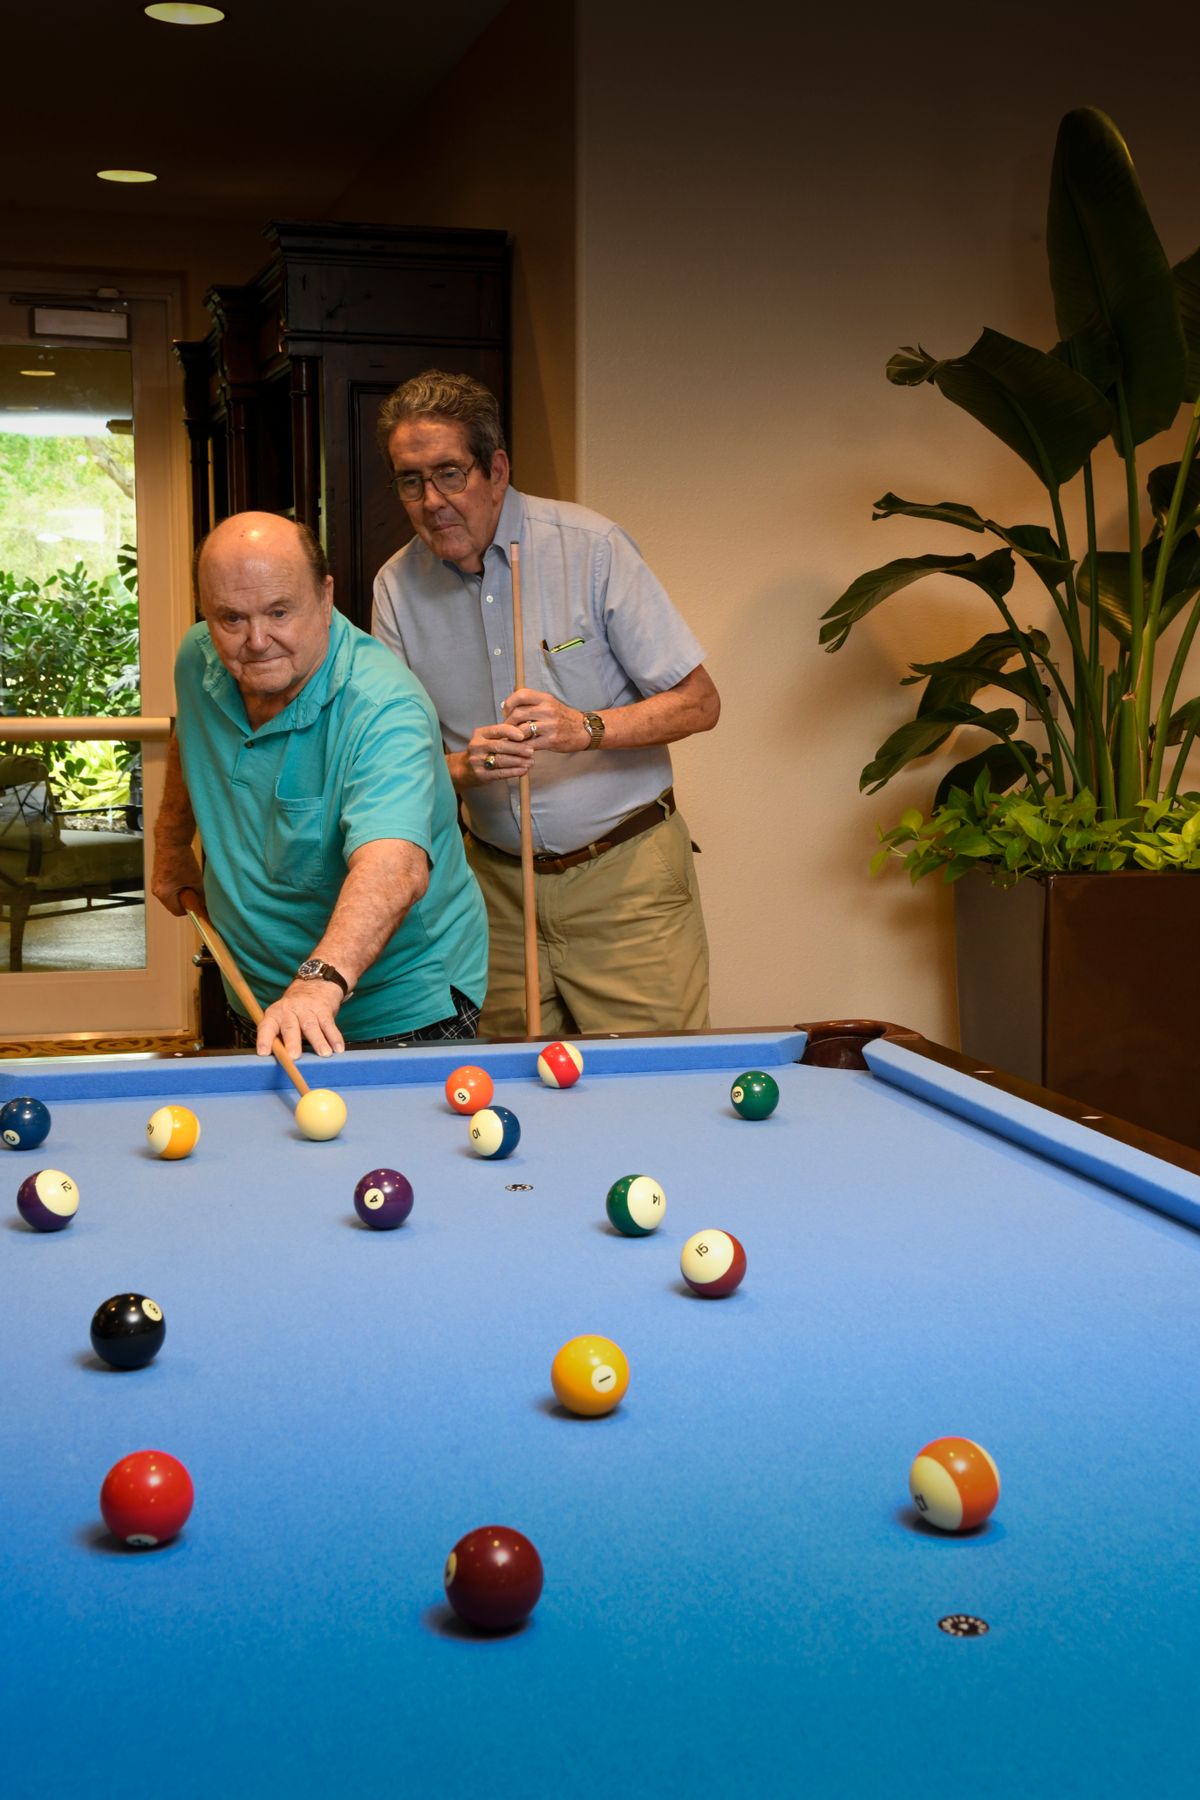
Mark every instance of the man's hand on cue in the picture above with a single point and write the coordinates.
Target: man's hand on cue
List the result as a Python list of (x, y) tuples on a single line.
[(175, 868), (305, 1011), (544, 723), (498, 753)]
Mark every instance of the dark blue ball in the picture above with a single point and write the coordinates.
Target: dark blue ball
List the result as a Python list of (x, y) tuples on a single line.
[(24, 1123)]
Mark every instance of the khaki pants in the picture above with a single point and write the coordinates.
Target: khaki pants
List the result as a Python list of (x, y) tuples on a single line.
[(621, 940)]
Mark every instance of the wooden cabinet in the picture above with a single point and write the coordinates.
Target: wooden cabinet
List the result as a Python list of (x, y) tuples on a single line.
[(280, 398)]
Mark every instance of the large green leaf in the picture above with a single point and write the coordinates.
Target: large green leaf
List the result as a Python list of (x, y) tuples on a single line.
[(1107, 264), (998, 763), (1187, 297), (1112, 571), (927, 733), (1160, 485), (1033, 542), (1040, 407), (957, 678), (994, 574)]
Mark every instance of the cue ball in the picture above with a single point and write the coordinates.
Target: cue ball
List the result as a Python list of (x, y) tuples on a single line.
[(493, 1578), (383, 1199), (954, 1484), (755, 1095), (173, 1132), (320, 1114), (495, 1132), (636, 1205), (560, 1065), (590, 1376), (146, 1498), (48, 1200), (24, 1123), (468, 1089), (128, 1331), (713, 1263)]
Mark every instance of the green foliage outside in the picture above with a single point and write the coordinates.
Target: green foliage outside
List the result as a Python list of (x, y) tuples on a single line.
[(54, 488)]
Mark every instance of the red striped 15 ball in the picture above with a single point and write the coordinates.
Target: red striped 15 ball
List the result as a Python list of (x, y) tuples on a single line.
[(560, 1065), (954, 1484), (48, 1201), (713, 1263)]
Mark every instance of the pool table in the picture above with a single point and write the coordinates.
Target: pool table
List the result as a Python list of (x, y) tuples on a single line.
[(740, 1597)]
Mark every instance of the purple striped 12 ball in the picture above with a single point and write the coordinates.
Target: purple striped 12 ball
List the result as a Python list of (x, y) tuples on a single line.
[(383, 1199), (48, 1200), (24, 1123)]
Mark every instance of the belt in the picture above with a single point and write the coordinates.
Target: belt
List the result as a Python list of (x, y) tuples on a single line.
[(633, 826)]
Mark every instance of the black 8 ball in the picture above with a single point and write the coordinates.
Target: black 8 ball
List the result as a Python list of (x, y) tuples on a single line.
[(128, 1331)]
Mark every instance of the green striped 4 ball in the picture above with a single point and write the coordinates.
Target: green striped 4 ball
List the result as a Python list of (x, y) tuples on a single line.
[(636, 1205), (755, 1095)]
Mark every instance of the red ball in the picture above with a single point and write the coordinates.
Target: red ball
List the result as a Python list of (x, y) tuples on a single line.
[(146, 1498), (560, 1065), (469, 1089), (493, 1578)]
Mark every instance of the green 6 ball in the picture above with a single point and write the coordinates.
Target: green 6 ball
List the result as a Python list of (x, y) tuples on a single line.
[(755, 1095)]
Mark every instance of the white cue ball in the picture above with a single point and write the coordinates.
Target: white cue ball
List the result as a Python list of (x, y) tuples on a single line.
[(320, 1114)]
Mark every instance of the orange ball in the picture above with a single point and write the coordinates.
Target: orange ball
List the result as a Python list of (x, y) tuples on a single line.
[(173, 1132), (469, 1089)]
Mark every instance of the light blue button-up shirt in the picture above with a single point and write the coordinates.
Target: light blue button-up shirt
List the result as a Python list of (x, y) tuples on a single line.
[(599, 631)]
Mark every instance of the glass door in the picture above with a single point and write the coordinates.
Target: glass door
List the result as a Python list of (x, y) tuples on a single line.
[(93, 600)]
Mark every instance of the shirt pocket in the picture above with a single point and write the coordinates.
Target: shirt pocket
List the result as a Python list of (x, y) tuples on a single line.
[(293, 851), (586, 675)]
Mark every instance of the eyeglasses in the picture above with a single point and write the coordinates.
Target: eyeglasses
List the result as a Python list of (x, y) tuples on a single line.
[(449, 479)]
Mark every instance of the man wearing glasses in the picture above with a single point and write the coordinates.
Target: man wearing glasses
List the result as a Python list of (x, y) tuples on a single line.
[(619, 676)]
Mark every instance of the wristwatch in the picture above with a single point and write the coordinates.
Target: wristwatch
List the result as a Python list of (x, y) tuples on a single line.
[(313, 969), (595, 729)]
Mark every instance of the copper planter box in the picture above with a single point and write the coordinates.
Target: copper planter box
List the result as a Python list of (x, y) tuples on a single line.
[(1090, 986)]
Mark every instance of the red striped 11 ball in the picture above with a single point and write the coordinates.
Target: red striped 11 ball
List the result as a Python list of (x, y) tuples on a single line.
[(560, 1065), (713, 1263), (48, 1201)]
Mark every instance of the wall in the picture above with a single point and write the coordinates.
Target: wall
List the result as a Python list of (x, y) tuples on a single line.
[(493, 147), (768, 206)]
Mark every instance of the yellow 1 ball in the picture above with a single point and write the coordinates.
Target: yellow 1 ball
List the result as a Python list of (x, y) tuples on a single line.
[(320, 1114), (589, 1376)]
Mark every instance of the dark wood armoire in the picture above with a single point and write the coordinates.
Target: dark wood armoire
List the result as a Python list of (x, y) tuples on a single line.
[(280, 398)]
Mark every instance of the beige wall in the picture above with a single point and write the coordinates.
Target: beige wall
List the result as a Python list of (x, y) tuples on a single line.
[(493, 147), (767, 209)]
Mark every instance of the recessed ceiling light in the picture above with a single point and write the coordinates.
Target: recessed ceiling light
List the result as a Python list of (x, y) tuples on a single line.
[(37, 372), (185, 15), (125, 175)]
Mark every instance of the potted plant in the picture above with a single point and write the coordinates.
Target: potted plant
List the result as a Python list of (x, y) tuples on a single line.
[(1090, 826)]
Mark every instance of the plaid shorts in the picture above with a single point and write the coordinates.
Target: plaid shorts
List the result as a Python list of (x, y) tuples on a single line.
[(462, 1023)]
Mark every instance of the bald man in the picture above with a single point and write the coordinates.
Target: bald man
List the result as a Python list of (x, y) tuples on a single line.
[(311, 761)]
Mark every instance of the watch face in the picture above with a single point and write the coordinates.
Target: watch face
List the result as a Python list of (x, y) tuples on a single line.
[(311, 967)]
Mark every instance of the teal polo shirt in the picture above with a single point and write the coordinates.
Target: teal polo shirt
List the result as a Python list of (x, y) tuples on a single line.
[(356, 756)]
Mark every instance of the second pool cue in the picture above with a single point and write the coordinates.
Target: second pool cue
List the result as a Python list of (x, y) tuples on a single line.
[(533, 989), (223, 957)]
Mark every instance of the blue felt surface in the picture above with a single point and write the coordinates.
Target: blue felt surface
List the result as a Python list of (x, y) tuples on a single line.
[(738, 1598)]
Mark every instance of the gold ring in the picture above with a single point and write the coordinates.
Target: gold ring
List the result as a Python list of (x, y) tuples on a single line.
[(489, 762), (533, 728)]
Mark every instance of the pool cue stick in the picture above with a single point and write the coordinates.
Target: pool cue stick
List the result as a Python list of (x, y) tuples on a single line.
[(533, 991), (223, 957)]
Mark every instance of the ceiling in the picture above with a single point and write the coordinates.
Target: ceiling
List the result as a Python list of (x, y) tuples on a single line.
[(271, 113)]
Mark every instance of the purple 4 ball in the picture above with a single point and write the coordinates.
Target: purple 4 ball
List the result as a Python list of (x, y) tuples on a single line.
[(383, 1199)]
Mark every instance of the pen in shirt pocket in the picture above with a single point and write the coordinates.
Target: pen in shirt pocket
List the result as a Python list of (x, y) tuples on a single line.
[(553, 649)]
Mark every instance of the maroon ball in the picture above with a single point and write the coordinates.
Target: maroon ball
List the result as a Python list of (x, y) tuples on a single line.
[(493, 1578)]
